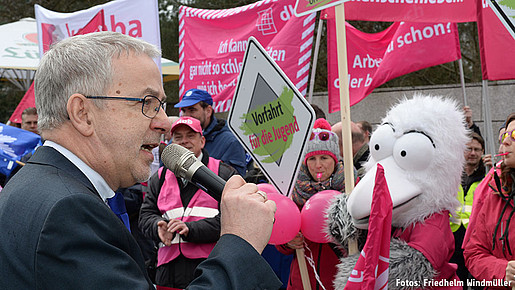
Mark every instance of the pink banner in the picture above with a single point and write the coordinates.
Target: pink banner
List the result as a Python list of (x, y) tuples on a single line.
[(411, 10), (212, 44), (495, 44), (374, 59), (371, 269)]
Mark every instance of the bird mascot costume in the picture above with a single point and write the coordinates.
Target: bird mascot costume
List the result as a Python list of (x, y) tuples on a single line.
[(420, 145)]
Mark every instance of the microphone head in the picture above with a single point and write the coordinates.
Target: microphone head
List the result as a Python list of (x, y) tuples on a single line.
[(180, 161)]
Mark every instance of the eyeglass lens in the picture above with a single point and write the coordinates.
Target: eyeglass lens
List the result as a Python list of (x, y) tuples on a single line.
[(322, 136), (150, 106), (505, 135)]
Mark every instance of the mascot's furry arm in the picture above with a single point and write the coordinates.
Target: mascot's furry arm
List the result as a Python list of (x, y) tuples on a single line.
[(406, 263)]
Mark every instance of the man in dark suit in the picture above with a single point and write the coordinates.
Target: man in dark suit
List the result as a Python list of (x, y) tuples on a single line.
[(99, 99)]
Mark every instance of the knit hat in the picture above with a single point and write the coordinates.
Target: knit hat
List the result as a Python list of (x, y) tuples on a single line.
[(316, 144)]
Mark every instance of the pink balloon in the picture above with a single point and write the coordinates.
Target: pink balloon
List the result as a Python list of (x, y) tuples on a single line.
[(267, 187), (287, 219), (312, 216)]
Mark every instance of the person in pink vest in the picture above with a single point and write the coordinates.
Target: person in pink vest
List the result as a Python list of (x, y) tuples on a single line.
[(184, 219)]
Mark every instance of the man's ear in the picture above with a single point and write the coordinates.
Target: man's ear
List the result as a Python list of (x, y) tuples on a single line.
[(203, 141), (209, 111), (78, 108)]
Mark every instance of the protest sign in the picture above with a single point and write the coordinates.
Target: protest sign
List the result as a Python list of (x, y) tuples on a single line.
[(270, 118)]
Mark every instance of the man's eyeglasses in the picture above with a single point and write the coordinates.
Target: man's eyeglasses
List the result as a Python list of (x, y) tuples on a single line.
[(149, 104), (505, 135), (322, 136), (470, 149)]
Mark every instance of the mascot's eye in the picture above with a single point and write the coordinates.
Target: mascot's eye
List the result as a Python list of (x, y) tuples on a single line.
[(381, 143), (413, 151)]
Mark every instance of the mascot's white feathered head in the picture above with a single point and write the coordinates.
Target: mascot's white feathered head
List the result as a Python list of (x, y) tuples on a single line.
[(420, 144)]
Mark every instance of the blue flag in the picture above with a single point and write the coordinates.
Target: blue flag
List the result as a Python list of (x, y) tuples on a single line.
[(14, 143)]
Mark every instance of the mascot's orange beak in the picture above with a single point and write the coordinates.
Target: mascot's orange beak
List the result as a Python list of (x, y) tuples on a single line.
[(401, 190)]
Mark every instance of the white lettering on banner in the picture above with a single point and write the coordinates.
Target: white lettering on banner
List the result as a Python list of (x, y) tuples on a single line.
[(232, 46), (366, 62), (209, 87), (410, 1), (222, 87), (427, 32), (287, 12), (231, 67), (203, 69), (276, 54), (355, 83)]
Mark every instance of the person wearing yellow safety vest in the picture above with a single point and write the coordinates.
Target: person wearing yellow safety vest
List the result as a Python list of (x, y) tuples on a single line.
[(474, 171)]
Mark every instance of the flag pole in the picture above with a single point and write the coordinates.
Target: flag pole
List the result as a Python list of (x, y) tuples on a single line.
[(341, 43), (301, 258), (462, 80), (315, 60), (490, 145)]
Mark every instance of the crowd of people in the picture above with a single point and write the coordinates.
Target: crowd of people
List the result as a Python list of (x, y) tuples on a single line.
[(60, 232)]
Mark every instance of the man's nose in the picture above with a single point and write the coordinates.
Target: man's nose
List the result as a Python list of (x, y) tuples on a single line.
[(161, 122)]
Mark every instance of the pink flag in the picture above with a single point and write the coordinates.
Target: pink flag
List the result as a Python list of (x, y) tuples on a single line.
[(28, 100), (411, 10), (371, 270), (96, 24), (375, 58), (495, 43), (212, 44)]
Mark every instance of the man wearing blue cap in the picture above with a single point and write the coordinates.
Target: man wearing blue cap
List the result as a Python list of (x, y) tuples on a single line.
[(220, 142)]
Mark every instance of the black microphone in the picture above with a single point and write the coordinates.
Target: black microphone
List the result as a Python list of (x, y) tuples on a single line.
[(183, 163)]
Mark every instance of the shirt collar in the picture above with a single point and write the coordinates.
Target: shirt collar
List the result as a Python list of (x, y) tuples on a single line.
[(96, 179)]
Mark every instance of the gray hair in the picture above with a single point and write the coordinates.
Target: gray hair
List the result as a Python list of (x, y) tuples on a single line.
[(80, 64)]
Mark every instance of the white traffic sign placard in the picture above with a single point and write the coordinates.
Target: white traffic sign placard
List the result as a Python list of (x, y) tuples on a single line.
[(505, 10), (270, 118)]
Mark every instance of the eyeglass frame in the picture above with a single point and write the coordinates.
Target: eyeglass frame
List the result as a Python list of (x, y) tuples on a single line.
[(316, 134), (507, 134), (161, 103)]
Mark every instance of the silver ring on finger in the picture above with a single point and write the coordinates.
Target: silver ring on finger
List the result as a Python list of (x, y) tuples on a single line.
[(263, 194)]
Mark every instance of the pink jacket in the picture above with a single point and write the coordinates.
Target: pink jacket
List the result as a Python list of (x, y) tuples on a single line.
[(434, 239)]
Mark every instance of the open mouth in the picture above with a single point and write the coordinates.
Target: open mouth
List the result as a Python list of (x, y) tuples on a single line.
[(148, 147), (364, 220)]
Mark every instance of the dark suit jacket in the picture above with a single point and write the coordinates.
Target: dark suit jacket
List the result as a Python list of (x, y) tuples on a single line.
[(57, 233)]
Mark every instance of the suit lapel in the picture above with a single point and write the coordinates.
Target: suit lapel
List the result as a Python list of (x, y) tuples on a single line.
[(48, 156)]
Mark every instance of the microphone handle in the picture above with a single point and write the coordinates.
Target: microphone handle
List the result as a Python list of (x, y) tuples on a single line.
[(211, 183)]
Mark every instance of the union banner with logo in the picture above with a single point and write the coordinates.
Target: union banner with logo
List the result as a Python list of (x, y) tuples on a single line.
[(212, 44)]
